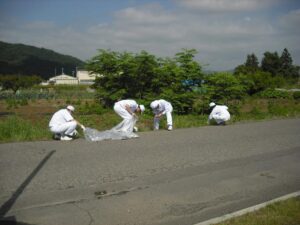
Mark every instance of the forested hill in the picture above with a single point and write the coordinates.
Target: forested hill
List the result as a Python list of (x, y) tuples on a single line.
[(29, 60)]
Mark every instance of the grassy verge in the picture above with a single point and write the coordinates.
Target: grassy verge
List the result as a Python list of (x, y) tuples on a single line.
[(17, 129), (29, 122), (280, 213)]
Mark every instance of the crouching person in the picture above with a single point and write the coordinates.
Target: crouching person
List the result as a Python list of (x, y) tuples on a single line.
[(63, 125), (219, 114)]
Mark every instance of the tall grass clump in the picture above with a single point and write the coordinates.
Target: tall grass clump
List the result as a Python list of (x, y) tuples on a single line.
[(16, 129)]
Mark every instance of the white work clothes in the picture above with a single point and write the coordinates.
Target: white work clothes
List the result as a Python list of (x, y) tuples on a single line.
[(220, 114), (128, 121), (164, 108), (62, 122)]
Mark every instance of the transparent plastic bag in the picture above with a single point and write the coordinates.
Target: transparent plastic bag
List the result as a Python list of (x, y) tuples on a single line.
[(123, 130)]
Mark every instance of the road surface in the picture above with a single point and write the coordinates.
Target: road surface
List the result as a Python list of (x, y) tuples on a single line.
[(181, 177)]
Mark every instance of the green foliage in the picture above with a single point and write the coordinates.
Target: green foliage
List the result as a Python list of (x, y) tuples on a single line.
[(144, 77), (271, 63), (252, 61), (279, 213), (13, 82), (91, 108), (287, 69), (224, 87), (296, 95), (272, 93), (280, 68), (259, 81)]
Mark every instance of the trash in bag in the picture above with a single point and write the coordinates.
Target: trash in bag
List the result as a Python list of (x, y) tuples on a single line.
[(123, 130)]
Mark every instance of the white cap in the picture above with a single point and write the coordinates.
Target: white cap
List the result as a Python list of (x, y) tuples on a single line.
[(212, 104), (71, 108), (154, 104), (142, 107)]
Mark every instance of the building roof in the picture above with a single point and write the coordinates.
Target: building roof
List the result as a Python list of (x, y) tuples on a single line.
[(63, 77)]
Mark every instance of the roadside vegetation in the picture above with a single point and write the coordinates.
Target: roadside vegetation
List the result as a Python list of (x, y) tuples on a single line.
[(253, 91), (279, 213)]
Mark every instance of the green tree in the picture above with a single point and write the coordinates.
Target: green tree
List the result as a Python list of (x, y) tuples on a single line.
[(287, 69), (15, 82), (271, 63), (186, 75), (144, 77), (224, 86), (124, 75), (249, 67), (252, 61)]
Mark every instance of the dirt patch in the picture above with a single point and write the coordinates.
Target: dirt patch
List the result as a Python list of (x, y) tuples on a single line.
[(31, 111)]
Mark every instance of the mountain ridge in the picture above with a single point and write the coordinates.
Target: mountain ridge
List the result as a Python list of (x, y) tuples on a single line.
[(21, 59)]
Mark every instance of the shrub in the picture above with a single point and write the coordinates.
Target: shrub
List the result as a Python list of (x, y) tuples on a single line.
[(272, 93), (296, 95)]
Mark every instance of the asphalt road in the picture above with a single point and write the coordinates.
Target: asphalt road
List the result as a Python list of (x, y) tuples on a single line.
[(181, 177)]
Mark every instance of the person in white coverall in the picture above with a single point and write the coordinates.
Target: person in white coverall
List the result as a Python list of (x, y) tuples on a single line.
[(219, 114), (162, 107), (127, 109), (63, 125)]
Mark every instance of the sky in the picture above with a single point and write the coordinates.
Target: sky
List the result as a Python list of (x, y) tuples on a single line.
[(223, 32)]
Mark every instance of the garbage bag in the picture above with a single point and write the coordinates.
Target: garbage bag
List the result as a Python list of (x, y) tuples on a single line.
[(123, 130)]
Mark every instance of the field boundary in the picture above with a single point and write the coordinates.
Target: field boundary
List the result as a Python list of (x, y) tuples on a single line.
[(248, 210)]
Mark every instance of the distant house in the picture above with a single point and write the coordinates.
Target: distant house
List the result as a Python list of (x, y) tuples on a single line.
[(85, 77), (82, 77), (63, 79)]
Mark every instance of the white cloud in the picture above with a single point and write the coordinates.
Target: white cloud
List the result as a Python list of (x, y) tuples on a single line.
[(148, 14), (225, 5), (223, 41), (290, 21)]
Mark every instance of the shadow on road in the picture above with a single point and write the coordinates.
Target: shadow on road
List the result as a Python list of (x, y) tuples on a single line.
[(10, 202)]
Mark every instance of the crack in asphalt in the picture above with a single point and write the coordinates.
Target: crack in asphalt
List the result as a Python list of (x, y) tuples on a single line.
[(87, 212)]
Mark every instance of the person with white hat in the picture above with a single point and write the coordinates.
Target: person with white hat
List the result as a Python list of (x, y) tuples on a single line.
[(162, 107), (219, 114), (127, 109), (63, 125)]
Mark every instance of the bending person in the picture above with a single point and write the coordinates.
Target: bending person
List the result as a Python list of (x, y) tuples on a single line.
[(63, 125), (162, 107), (219, 114), (127, 109)]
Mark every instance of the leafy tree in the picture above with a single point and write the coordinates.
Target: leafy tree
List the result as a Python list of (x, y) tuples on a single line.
[(287, 69), (249, 67), (190, 70), (271, 63), (14, 82), (252, 61), (224, 86), (144, 77), (186, 74)]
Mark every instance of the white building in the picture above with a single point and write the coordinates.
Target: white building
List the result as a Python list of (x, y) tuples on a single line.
[(82, 77), (63, 79), (85, 77)]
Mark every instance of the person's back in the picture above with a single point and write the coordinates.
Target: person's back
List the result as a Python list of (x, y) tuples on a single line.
[(60, 117), (220, 114), (131, 103)]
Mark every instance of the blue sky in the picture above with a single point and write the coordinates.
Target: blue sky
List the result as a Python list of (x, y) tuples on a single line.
[(222, 31)]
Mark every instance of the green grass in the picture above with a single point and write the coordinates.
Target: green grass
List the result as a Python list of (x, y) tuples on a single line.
[(280, 213), (17, 129)]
